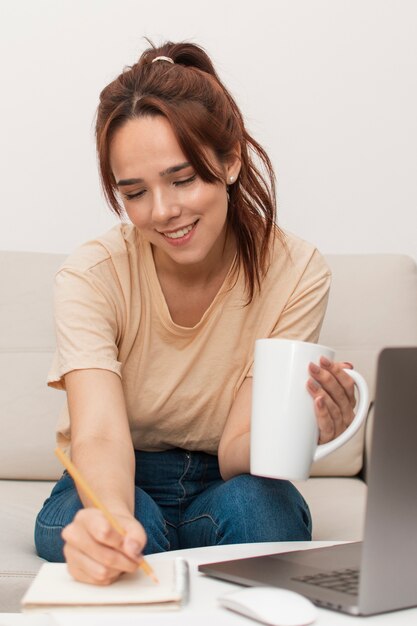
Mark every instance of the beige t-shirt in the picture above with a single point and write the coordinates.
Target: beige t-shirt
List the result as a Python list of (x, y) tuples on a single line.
[(179, 383)]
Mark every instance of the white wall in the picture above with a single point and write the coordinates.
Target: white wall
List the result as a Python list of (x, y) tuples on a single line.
[(328, 86)]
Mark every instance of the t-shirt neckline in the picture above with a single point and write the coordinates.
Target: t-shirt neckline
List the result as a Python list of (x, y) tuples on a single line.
[(159, 301)]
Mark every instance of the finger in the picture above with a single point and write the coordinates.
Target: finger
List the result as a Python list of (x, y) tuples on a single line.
[(346, 381), (80, 539), (324, 421), (93, 522), (99, 564), (330, 410), (330, 374), (330, 383), (135, 539), (133, 548), (85, 569)]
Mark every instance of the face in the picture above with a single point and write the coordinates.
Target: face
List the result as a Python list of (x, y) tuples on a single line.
[(182, 216)]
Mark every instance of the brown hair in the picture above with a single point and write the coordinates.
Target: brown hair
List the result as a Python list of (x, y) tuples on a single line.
[(202, 113)]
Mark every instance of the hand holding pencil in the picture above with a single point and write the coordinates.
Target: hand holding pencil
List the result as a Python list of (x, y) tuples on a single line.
[(99, 560)]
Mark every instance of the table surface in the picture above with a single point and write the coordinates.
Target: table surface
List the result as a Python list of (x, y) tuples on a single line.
[(203, 608)]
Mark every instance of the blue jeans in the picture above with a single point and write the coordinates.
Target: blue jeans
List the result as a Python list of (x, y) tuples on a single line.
[(182, 502)]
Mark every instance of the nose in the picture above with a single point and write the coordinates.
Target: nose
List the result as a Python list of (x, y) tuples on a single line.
[(163, 207)]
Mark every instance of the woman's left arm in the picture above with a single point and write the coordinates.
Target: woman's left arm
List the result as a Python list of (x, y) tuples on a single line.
[(234, 453), (333, 395), (331, 388)]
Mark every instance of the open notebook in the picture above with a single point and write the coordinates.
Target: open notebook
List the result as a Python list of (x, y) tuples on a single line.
[(54, 588)]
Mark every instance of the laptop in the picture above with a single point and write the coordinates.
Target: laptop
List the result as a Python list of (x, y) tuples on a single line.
[(378, 574)]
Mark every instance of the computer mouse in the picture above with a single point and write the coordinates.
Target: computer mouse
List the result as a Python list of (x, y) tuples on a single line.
[(271, 605)]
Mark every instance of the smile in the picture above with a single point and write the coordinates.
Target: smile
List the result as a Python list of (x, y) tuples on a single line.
[(181, 232)]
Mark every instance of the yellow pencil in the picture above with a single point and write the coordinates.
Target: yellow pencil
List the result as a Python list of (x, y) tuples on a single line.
[(80, 481)]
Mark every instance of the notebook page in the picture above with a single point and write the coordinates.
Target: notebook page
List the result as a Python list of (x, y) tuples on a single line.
[(54, 586)]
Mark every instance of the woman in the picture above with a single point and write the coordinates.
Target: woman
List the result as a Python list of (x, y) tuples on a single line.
[(156, 322)]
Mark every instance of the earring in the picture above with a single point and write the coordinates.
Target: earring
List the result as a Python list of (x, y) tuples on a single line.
[(231, 179)]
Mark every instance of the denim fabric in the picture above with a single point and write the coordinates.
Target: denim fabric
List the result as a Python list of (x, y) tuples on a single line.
[(182, 502)]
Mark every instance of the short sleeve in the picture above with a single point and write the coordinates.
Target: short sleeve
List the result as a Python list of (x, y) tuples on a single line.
[(86, 325), (303, 315)]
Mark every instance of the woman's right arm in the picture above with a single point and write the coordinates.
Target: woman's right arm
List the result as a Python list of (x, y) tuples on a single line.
[(102, 449)]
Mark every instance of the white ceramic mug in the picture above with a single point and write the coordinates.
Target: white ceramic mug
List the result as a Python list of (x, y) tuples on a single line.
[(284, 430)]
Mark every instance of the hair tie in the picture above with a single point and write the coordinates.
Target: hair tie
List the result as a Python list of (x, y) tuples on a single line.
[(162, 59)]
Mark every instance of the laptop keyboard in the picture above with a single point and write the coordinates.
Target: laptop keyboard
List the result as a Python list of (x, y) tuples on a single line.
[(345, 580)]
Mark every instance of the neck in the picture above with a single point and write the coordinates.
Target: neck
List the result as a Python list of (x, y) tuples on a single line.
[(215, 264)]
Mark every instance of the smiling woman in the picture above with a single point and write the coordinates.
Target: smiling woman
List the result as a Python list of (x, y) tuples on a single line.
[(182, 216), (156, 322), (188, 107)]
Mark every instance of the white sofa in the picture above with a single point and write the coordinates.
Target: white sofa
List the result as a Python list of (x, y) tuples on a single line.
[(373, 304)]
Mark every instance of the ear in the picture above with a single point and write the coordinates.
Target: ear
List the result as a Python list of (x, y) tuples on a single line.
[(233, 165)]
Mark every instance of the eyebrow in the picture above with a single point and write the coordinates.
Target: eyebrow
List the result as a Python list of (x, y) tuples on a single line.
[(169, 170)]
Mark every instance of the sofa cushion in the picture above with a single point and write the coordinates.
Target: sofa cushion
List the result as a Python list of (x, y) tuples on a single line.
[(27, 280), (20, 501), (29, 412), (337, 507), (28, 409)]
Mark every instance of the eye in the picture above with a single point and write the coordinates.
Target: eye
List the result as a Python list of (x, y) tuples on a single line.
[(131, 196), (186, 181)]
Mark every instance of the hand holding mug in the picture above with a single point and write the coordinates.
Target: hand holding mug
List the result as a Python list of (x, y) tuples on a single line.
[(285, 420), (333, 392)]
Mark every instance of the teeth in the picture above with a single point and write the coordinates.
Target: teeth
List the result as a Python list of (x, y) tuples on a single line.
[(179, 233)]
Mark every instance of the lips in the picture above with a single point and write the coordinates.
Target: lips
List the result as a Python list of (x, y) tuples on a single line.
[(181, 232)]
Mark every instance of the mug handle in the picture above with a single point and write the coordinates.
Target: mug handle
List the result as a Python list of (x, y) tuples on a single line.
[(325, 448)]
